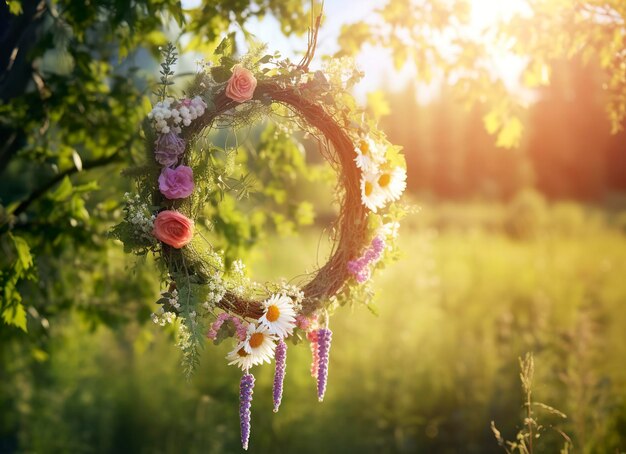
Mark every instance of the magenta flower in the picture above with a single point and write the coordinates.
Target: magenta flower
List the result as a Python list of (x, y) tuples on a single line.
[(168, 149), (324, 336), (176, 183), (279, 373), (360, 267), (245, 403), (303, 322), (241, 328)]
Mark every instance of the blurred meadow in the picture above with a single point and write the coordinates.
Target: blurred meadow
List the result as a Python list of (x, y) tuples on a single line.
[(515, 242)]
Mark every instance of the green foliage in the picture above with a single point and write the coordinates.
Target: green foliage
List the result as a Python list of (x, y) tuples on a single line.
[(169, 56), (433, 369), (80, 115), (17, 264)]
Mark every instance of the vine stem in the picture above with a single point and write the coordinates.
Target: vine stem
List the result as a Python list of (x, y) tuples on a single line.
[(351, 223)]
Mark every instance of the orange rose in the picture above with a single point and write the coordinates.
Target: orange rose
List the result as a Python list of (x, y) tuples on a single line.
[(173, 228), (241, 84)]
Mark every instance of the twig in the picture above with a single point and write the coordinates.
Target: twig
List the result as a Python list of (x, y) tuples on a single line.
[(312, 39), (39, 192)]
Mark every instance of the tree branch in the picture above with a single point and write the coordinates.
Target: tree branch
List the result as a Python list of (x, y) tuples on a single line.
[(39, 192)]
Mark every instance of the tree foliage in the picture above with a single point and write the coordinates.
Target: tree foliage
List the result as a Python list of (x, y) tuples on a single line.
[(75, 85), (432, 35)]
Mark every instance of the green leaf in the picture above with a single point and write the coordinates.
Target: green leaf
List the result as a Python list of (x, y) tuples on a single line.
[(63, 191), (15, 7), (25, 259), (15, 315)]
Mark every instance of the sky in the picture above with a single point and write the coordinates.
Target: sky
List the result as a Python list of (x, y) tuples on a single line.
[(376, 62)]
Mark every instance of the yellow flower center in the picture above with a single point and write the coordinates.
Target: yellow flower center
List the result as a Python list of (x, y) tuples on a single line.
[(241, 352), (256, 340), (368, 188), (272, 313), (384, 180), (364, 147)]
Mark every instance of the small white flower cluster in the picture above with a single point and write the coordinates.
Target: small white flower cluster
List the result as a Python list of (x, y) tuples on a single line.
[(294, 292), (183, 337), (240, 283), (137, 214), (389, 230), (217, 290), (172, 115), (163, 317), (239, 268)]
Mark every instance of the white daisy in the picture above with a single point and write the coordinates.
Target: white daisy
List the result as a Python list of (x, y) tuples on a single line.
[(241, 358), (368, 155), (260, 343), (371, 194), (279, 316), (392, 182)]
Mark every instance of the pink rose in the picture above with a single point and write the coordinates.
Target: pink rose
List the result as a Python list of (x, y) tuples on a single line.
[(241, 84), (176, 183), (173, 228)]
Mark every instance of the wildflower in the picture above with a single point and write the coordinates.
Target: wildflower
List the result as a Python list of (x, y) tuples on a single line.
[(176, 183), (168, 148), (392, 182), (368, 156), (303, 322), (324, 337), (312, 337), (279, 316), (241, 358), (360, 267), (371, 194), (279, 373), (259, 344), (246, 388)]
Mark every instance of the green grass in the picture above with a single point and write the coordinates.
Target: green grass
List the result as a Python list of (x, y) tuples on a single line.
[(429, 374)]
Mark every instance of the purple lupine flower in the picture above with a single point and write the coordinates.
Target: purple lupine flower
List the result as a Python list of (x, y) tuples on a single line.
[(324, 336), (279, 373), (245, 402), (168, 148)]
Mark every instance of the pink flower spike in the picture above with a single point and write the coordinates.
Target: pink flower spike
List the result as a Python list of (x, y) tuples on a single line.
[(312, 337)]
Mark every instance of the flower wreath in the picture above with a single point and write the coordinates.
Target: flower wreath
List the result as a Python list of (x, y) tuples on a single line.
[(204, 298)]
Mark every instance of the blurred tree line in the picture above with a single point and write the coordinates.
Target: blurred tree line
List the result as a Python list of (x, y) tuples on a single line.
[(568, 151)]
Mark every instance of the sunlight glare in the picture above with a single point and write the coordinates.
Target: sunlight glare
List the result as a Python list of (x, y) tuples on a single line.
[(486, 13)]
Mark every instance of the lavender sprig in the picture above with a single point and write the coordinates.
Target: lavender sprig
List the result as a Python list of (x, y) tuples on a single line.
[(324, 337), (279, 373), (245, 402)]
